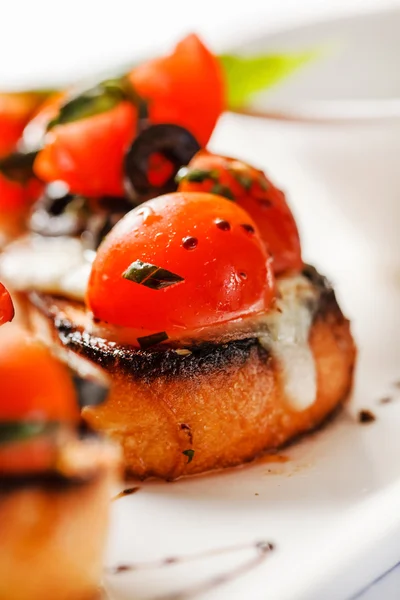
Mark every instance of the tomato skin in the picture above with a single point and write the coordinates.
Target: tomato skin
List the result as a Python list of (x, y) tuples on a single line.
[(197, 236), (6, 306), (16, 197), (88, 154), (15, 111), (34, 386), (264, 202), (185, 88)]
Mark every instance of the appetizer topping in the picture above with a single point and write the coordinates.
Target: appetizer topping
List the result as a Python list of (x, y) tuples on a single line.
[(101, 98), (152, 340), (155, 157), (18, 166), (19, 431), (211, 289), (47, 264), (190, 454), (15, 111), (185, 88), (190, 243), (288, 329), (6, 306), (34, 386), (151, 276), (88, 153), (251, 189), (17, 197), (222, 225)]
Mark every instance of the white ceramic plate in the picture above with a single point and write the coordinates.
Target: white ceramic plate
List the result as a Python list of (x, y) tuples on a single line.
[(331, 511)]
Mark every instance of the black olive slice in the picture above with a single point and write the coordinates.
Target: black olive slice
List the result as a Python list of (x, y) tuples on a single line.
[(176, 144), (58, 212)]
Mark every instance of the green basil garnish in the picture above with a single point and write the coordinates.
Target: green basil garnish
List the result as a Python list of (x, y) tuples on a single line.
[(101, 98), (19, 431), (152, 340), (150, 275), (196, 175), (190, 454), (244, 180), (18, 166), (222, 190)]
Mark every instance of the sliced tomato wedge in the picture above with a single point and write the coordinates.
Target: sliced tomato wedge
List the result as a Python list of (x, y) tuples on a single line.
[(254, 192), (87, 154), (34, 385), (15, 111), (6, 306), (16, 197), (185, 88), (180, 262)]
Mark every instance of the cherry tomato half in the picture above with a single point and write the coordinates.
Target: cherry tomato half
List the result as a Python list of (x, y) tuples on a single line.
[(185, 88), (34, 386), (88, 153), (213, 266), (15, 111), (16, 197), (6, 306), (251, 189)]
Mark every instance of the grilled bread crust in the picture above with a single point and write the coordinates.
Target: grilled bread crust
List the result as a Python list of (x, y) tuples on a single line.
[(54, 529), (224, 403)]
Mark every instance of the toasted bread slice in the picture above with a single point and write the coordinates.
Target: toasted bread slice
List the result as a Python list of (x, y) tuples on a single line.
[(220, 404), (54, 525)]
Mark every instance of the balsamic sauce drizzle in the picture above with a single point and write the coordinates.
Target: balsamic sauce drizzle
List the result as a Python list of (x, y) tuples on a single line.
[(262, 549), (126, 492)]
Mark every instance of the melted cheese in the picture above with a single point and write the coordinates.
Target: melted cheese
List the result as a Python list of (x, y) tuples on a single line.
[(61, 266), (52, 265), (287, 340)]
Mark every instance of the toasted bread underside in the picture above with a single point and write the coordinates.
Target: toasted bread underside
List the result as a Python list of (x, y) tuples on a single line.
[(219, 406), (55, 531)]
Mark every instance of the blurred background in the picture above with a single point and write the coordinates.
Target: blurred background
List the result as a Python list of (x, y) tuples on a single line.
[(332, 140)]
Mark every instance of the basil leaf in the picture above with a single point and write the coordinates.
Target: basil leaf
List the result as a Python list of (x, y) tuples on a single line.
[(18, 431), (195, 175), (96, 100), (190, 454), (150, 275), (18, 166), (248, 75), (151, 340), (222, 190)]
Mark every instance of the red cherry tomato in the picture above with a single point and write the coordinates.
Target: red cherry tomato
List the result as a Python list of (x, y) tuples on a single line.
[(34, 386), (185, 88), (35, 130), (6, 306), (16, 197), (209, 242), (15, 111), (251, 189), (88, 153)]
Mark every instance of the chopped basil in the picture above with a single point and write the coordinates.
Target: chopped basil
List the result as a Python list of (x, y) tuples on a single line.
[(150, 275), (190, 454), (222, 190), (96, 100), (18, 166), (263, 183), (152, 340), (196, 175), (244, 180), (18, 431)]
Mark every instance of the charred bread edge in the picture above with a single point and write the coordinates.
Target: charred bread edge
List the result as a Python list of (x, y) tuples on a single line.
[(146, 365)]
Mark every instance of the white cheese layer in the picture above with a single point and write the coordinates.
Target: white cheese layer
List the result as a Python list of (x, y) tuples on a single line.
[(52, 265), (288, 340), (61, 266)]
